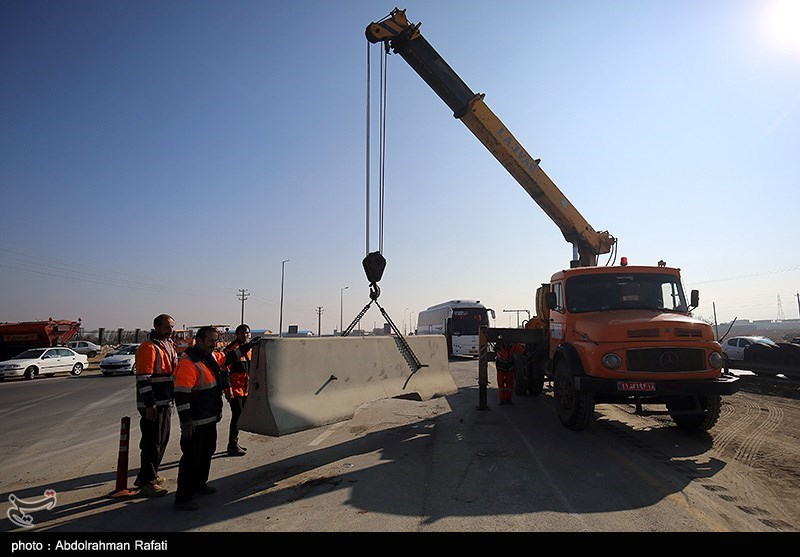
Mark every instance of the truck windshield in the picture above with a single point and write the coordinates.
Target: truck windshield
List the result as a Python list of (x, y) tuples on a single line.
[(601, 292), (467, 320)]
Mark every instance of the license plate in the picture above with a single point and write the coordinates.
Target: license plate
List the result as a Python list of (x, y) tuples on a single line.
[(636, 386)]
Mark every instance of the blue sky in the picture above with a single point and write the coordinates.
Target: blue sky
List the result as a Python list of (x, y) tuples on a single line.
[(159, 156)]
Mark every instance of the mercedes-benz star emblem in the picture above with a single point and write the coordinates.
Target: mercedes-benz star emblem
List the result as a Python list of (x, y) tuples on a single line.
[(669, 360)]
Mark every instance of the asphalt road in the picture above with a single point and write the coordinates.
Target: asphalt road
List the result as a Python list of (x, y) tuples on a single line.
[(398, 466)]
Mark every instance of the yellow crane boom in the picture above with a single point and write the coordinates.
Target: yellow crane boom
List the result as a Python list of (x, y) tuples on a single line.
[(405, 39)]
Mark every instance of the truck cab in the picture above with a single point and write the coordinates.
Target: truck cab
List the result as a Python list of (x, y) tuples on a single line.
[(625, 334), (630, 324)]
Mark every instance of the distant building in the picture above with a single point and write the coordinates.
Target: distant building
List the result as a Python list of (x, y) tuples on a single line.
[(294, 331), (746, 326)]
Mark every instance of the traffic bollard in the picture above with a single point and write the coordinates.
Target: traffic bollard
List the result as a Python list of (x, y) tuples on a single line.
[(121, 488)]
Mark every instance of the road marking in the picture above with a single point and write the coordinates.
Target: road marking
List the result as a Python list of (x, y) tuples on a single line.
[(324, 435), (562, 498), (321, 437), (31, 404)]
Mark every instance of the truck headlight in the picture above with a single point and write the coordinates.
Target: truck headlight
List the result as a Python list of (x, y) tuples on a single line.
[(716, 360), (611, 361)]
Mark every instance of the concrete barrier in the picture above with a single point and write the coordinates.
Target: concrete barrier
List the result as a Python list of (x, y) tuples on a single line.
[(301, 383)]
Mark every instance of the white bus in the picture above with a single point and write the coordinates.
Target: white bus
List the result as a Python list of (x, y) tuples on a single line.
[(458, 321)]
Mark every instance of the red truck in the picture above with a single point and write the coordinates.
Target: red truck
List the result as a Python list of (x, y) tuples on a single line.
[(18, 337)]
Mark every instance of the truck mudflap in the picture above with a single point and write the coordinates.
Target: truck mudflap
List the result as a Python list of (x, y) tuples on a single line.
[(725, 385)]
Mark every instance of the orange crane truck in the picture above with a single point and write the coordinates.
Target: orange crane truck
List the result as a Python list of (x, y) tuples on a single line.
[(602, 334)]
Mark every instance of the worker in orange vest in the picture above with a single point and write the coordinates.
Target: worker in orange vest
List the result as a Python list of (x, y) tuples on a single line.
[(156, 359), (200, 381), (505, 362), (239, 372)]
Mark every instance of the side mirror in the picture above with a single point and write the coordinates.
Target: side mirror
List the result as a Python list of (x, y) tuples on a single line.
[(695, 298), (550, 300), (492, 312)]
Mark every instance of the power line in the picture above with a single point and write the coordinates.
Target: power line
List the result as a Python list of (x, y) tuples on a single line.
[(751, 275)]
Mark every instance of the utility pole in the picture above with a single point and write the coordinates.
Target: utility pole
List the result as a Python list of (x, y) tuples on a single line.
[(319, 320), (243, 295)]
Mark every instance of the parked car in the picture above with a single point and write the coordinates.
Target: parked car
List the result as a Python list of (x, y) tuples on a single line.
[(85, 347), (123, 360), (789, 353), (735, 348), (44, 361), (764, 350)]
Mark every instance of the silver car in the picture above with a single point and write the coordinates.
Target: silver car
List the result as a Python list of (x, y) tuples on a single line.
[(734, 348), (121, 361), (44, 361), (85, 347)]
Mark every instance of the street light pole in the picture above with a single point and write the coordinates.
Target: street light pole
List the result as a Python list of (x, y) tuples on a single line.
[(518, 311), (280, 321), (341, 306)]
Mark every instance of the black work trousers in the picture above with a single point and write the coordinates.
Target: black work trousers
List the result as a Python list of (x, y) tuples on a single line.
[(237, 405), (195, 463), (153, 445)]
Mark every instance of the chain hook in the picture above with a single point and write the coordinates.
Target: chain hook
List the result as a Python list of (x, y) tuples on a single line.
[(374, 291)]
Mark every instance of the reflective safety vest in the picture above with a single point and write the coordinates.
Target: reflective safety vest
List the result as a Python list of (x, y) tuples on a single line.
[(198, 389), (504, 356), (156, 361), (239, 370)]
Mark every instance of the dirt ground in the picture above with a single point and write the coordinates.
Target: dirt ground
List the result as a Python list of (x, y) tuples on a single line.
[(760, 428), (764, 430)]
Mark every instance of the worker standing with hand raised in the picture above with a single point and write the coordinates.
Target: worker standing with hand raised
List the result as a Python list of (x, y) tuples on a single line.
[(239, 379)]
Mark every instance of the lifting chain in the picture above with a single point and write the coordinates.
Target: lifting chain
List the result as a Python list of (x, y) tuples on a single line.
[(374, 264)]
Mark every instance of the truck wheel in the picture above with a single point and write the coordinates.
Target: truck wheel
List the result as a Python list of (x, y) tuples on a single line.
[(575, 408), (536, 377), (705, 418), (520, 380)]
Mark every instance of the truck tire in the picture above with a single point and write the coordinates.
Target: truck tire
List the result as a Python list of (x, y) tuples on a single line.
[(575, 408), (711, 406), (535, 371), (520, 379)]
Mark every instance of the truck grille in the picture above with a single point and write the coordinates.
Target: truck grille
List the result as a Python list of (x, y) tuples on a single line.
[(666, 359)]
